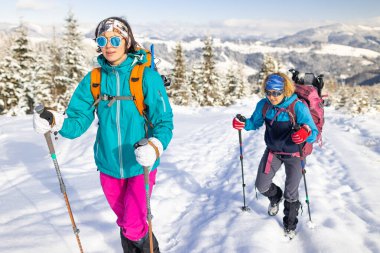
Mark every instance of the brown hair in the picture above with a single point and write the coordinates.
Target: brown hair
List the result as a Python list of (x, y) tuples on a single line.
[(289, 86), (134, 45)]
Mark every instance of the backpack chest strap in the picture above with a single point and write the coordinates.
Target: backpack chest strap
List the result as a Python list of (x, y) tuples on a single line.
[(112, 99), (290, 110)]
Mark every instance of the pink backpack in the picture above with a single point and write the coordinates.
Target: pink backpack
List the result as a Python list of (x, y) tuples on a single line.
[(309, 94)]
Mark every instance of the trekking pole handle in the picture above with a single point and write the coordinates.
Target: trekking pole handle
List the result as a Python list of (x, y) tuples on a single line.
[(241, 117), (45, 114), (140, 143)]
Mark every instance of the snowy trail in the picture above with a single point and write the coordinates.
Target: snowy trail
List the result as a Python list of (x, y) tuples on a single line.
[(346, 166), (338, 196), (197, 199)]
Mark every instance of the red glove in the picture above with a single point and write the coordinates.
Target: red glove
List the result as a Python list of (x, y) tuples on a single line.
[(301, 135), (238, 122)]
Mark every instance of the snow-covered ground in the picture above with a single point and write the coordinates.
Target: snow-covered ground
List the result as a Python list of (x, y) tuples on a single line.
[(196, 201)]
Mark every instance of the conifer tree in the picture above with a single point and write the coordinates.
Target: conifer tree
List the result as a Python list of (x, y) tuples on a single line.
[(24, 88), (10, 88), (244, 88), (42, 81), (74, 66), (236, 87), (57, 80), (179, 74), (180, 90), (195, 81), (5, 78), (270, 65), (184, 94), (213, 91), (232, 86)]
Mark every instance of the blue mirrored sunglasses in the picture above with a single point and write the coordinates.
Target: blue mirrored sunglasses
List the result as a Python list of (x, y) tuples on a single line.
[(274, 93), (114, 40)]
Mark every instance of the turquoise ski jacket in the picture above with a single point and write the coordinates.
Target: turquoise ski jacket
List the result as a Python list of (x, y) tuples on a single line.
[(278, 134), (120, 126)]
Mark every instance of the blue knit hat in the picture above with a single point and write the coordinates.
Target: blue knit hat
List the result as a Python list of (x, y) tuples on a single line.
[(275, 82)]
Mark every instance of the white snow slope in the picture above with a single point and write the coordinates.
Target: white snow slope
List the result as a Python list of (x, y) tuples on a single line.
[(196, 201)]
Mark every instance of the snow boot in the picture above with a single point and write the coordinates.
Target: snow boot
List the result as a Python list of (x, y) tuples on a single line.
[(275, 196), (290, 233), (140, 246), (273, 208), (291, 212), (128, 245), (143, 244)]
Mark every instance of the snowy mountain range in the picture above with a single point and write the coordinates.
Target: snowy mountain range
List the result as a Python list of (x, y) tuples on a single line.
[(347, 53)]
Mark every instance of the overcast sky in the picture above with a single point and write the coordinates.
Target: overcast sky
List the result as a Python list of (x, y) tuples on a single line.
[(276, 15)]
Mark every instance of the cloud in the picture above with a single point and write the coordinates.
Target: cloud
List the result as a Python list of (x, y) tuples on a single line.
[(34, 5), (371, 21)]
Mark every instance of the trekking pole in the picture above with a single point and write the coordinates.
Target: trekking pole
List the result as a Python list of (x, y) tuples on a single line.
[(146, 181), (244, 207), (45, 114), (303, 163), (152, 64)]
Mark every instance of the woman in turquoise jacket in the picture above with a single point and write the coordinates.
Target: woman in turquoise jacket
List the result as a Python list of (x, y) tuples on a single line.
[(282, 144), (120, 127)]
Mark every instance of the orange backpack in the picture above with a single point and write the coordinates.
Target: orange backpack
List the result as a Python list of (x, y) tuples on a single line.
[(135, 83)]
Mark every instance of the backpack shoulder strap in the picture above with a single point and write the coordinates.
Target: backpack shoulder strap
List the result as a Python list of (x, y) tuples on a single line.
[(95, 84), (292, 111), (136, 81), (265, 109)]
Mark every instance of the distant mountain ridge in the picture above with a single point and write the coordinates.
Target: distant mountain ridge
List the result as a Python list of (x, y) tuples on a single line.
[(349, 53), (349, 35)]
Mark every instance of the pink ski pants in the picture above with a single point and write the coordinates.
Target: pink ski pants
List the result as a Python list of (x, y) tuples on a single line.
[(127, 198)]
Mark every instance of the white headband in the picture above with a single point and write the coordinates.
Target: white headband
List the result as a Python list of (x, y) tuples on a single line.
[(113, 25)]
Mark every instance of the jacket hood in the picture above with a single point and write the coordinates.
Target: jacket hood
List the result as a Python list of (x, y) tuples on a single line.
[(132, 59)]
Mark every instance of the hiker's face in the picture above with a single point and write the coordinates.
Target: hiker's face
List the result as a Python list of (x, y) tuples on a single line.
[(274, 96), (114, 55)]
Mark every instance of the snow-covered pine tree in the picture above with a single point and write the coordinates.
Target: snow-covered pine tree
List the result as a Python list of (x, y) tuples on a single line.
[(235, 84), (195, 83), (42, 80), (374, 97), (246, 89), (10, 89), (178, 87), (23, 56), (5, 77), (57, 80), (213, 89), (184, 94), (342, 98), (232, 86), (269, 65), (74, 65)]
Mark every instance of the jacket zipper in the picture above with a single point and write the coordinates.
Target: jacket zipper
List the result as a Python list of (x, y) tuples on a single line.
[(118, 124)]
